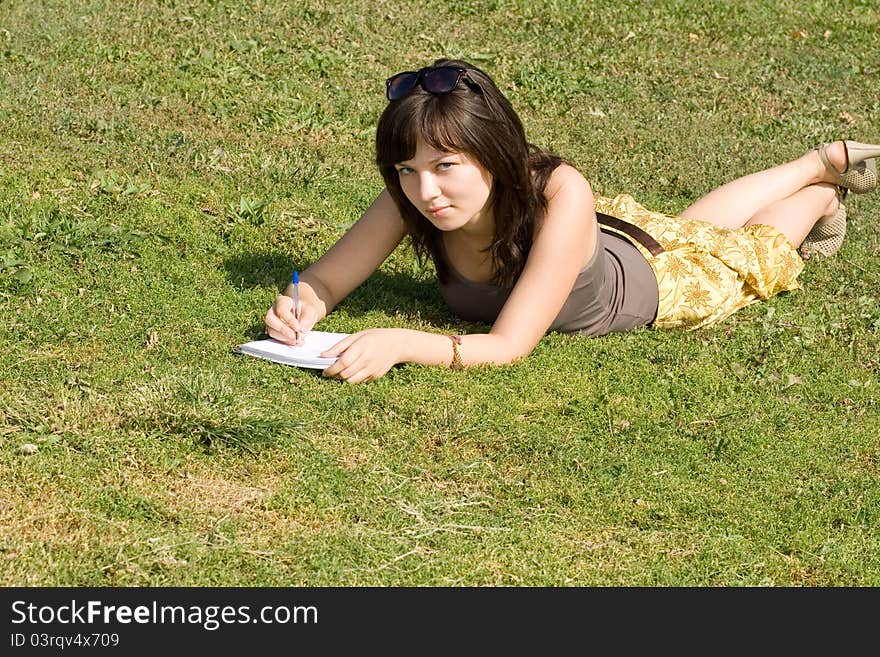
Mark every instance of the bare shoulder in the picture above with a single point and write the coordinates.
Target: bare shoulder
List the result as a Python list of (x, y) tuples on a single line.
[(570, 200), (566, 180)]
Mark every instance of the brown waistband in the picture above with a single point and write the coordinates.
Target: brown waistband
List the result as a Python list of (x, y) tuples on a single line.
[(633, 231)]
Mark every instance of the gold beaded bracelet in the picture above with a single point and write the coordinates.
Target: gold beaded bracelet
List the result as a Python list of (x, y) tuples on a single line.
[(456, 363)]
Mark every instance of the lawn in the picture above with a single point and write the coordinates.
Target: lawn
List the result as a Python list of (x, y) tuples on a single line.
[(165, 165)]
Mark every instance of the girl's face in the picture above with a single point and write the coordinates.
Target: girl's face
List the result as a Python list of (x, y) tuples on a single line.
[(450, 189)]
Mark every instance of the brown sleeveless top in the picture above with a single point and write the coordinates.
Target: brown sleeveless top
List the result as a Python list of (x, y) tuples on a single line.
[(615, 291)]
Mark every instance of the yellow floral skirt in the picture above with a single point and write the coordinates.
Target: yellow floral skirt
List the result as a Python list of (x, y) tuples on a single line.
[(707, 272)]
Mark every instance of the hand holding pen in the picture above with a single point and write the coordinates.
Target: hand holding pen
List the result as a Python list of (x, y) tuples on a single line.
[(292, 316)]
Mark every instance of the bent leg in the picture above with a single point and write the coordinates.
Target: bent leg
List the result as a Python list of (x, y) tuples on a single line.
[(733, 205), (795, 216)]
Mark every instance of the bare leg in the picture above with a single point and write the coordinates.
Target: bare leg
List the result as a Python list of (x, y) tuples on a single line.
[(795, 216), (734, 205)]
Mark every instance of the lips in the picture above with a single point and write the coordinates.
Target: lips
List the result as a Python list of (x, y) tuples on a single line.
[(439, 211)]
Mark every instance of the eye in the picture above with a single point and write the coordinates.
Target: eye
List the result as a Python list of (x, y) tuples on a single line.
[(402, 170), (443, 166)]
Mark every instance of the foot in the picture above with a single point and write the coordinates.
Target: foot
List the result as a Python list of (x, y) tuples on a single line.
[(850, 165), (835, 153)]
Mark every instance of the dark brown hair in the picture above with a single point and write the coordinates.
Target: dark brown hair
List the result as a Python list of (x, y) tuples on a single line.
[(484, 125)]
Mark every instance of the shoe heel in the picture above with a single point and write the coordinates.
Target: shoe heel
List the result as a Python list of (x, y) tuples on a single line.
[(860, 176), (858, 152)]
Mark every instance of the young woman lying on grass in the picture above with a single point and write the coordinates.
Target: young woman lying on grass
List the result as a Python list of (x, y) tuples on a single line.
[(520, 242)]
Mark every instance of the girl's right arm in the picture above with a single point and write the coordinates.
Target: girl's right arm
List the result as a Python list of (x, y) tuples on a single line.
[(347, 264)]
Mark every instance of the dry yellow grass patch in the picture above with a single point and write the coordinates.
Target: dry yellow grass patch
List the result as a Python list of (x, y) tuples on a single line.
[(202, 513), (36, 531)]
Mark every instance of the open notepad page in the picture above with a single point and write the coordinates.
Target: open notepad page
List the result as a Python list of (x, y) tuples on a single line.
[(305, 355)]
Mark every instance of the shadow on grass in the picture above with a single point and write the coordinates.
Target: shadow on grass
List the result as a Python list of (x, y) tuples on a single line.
[(390, 293), (260, 269)]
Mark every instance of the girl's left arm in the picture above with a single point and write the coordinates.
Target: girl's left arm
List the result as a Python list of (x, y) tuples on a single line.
[(565, 241)]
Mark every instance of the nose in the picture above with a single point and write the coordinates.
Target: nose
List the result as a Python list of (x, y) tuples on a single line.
[(428, 187)]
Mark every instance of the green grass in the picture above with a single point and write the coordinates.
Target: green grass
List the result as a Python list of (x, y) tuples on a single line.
[(163, 167)]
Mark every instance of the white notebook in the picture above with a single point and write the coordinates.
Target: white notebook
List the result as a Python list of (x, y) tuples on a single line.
[(305, 355)]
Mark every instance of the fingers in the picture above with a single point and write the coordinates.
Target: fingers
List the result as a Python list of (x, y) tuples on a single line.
[(340, 346), (357, 377), (356, 373), (355, 364), (280, 322), (283, 307), (335, 369), (308, 316), (279, 330), (349, 362), (360, 377)]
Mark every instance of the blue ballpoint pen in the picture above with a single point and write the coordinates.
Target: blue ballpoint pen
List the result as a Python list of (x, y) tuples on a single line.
[(296, 297)]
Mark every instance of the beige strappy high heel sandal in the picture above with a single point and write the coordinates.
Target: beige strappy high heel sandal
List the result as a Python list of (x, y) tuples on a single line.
[(826, 238), (860, 176)]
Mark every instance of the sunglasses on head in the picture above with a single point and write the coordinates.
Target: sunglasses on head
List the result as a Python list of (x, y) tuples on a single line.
[(434, 80)]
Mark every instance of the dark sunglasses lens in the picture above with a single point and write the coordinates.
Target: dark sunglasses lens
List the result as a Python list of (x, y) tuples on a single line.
[(400, 85), (441, 80)]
